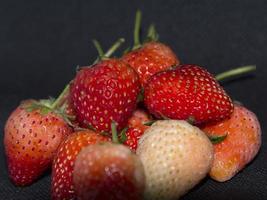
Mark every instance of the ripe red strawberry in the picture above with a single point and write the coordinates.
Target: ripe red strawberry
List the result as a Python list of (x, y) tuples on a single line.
[(62, 169), (151, 58), (108, 172), (105, 92), (187, 91), (239, 147), (31, 140), (136, 128)]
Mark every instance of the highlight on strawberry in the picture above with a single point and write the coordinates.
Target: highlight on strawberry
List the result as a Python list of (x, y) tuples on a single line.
[(141, 126)]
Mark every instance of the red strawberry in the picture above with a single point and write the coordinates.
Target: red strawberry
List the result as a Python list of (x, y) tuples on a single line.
[(32, 136), (108, 172), (187, 91), (151, 58), (136, 128), (105, 92), (62, 184), (240, 146)]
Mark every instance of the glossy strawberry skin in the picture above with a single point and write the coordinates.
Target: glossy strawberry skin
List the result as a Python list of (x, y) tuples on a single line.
[(187, 91), (31, 140), (108, 172), (62, 169), (151, 58), (241, 145), (104, 93), (136, 128)]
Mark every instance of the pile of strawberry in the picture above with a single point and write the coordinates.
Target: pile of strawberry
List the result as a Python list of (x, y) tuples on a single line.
[(140, 126)]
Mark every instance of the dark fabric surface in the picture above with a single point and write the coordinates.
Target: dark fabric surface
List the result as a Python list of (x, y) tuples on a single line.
[(42, 42)]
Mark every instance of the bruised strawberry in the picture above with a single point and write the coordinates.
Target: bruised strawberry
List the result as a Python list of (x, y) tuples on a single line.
[(62, 169), (187, 92), (32, 136), (136, 128), (108, 172), (239, 147), (105, 92), (151, 58)]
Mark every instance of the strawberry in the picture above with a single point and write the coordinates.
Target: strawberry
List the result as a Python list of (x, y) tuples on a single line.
[(62, 169), (150, 58), (33, 133), (136, 128), (108, 172), (187, 92), (241, 145), (176, 156), (105, 92)]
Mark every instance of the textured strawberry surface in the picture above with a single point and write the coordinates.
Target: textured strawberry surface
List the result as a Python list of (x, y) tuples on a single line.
[(105, 92), (108, 171), (240, 146), (136, 127), (187, 91), (62, 169), (31, 140), (151, 58)]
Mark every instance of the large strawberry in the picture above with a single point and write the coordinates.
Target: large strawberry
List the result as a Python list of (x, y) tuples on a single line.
[(240, 146), (105, 92), (136, 128), (151, 57), (187, 92), (33, 133), (108, 172), (62, 169)]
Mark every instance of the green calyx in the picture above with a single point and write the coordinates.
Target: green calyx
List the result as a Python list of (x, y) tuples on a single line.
[(235, 72), (217, 139), (152, 34), (140, 97), (57, 106), (118, 138), (149, 123)]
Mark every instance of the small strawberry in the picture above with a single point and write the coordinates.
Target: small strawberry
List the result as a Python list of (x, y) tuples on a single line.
[(62, 169), (150, 58), (108, 172), (136, 128), (187, 91), (105, 92), (33, 133), (241, 145), (176, 156)]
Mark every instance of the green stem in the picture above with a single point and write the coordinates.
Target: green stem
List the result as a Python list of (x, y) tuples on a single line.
[(111, 50), (152, 34), (137, 26), (114, 132), (60, 97), (114, 47), (235, 72), (98, 48)]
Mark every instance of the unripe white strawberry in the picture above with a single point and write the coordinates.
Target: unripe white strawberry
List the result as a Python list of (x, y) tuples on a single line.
[(176, 156)]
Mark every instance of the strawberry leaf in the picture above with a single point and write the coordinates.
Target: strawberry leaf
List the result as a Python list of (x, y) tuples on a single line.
[(149, 123), (217, 139)]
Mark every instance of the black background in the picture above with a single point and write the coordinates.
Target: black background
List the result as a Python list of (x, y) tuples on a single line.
[(42, 42)]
